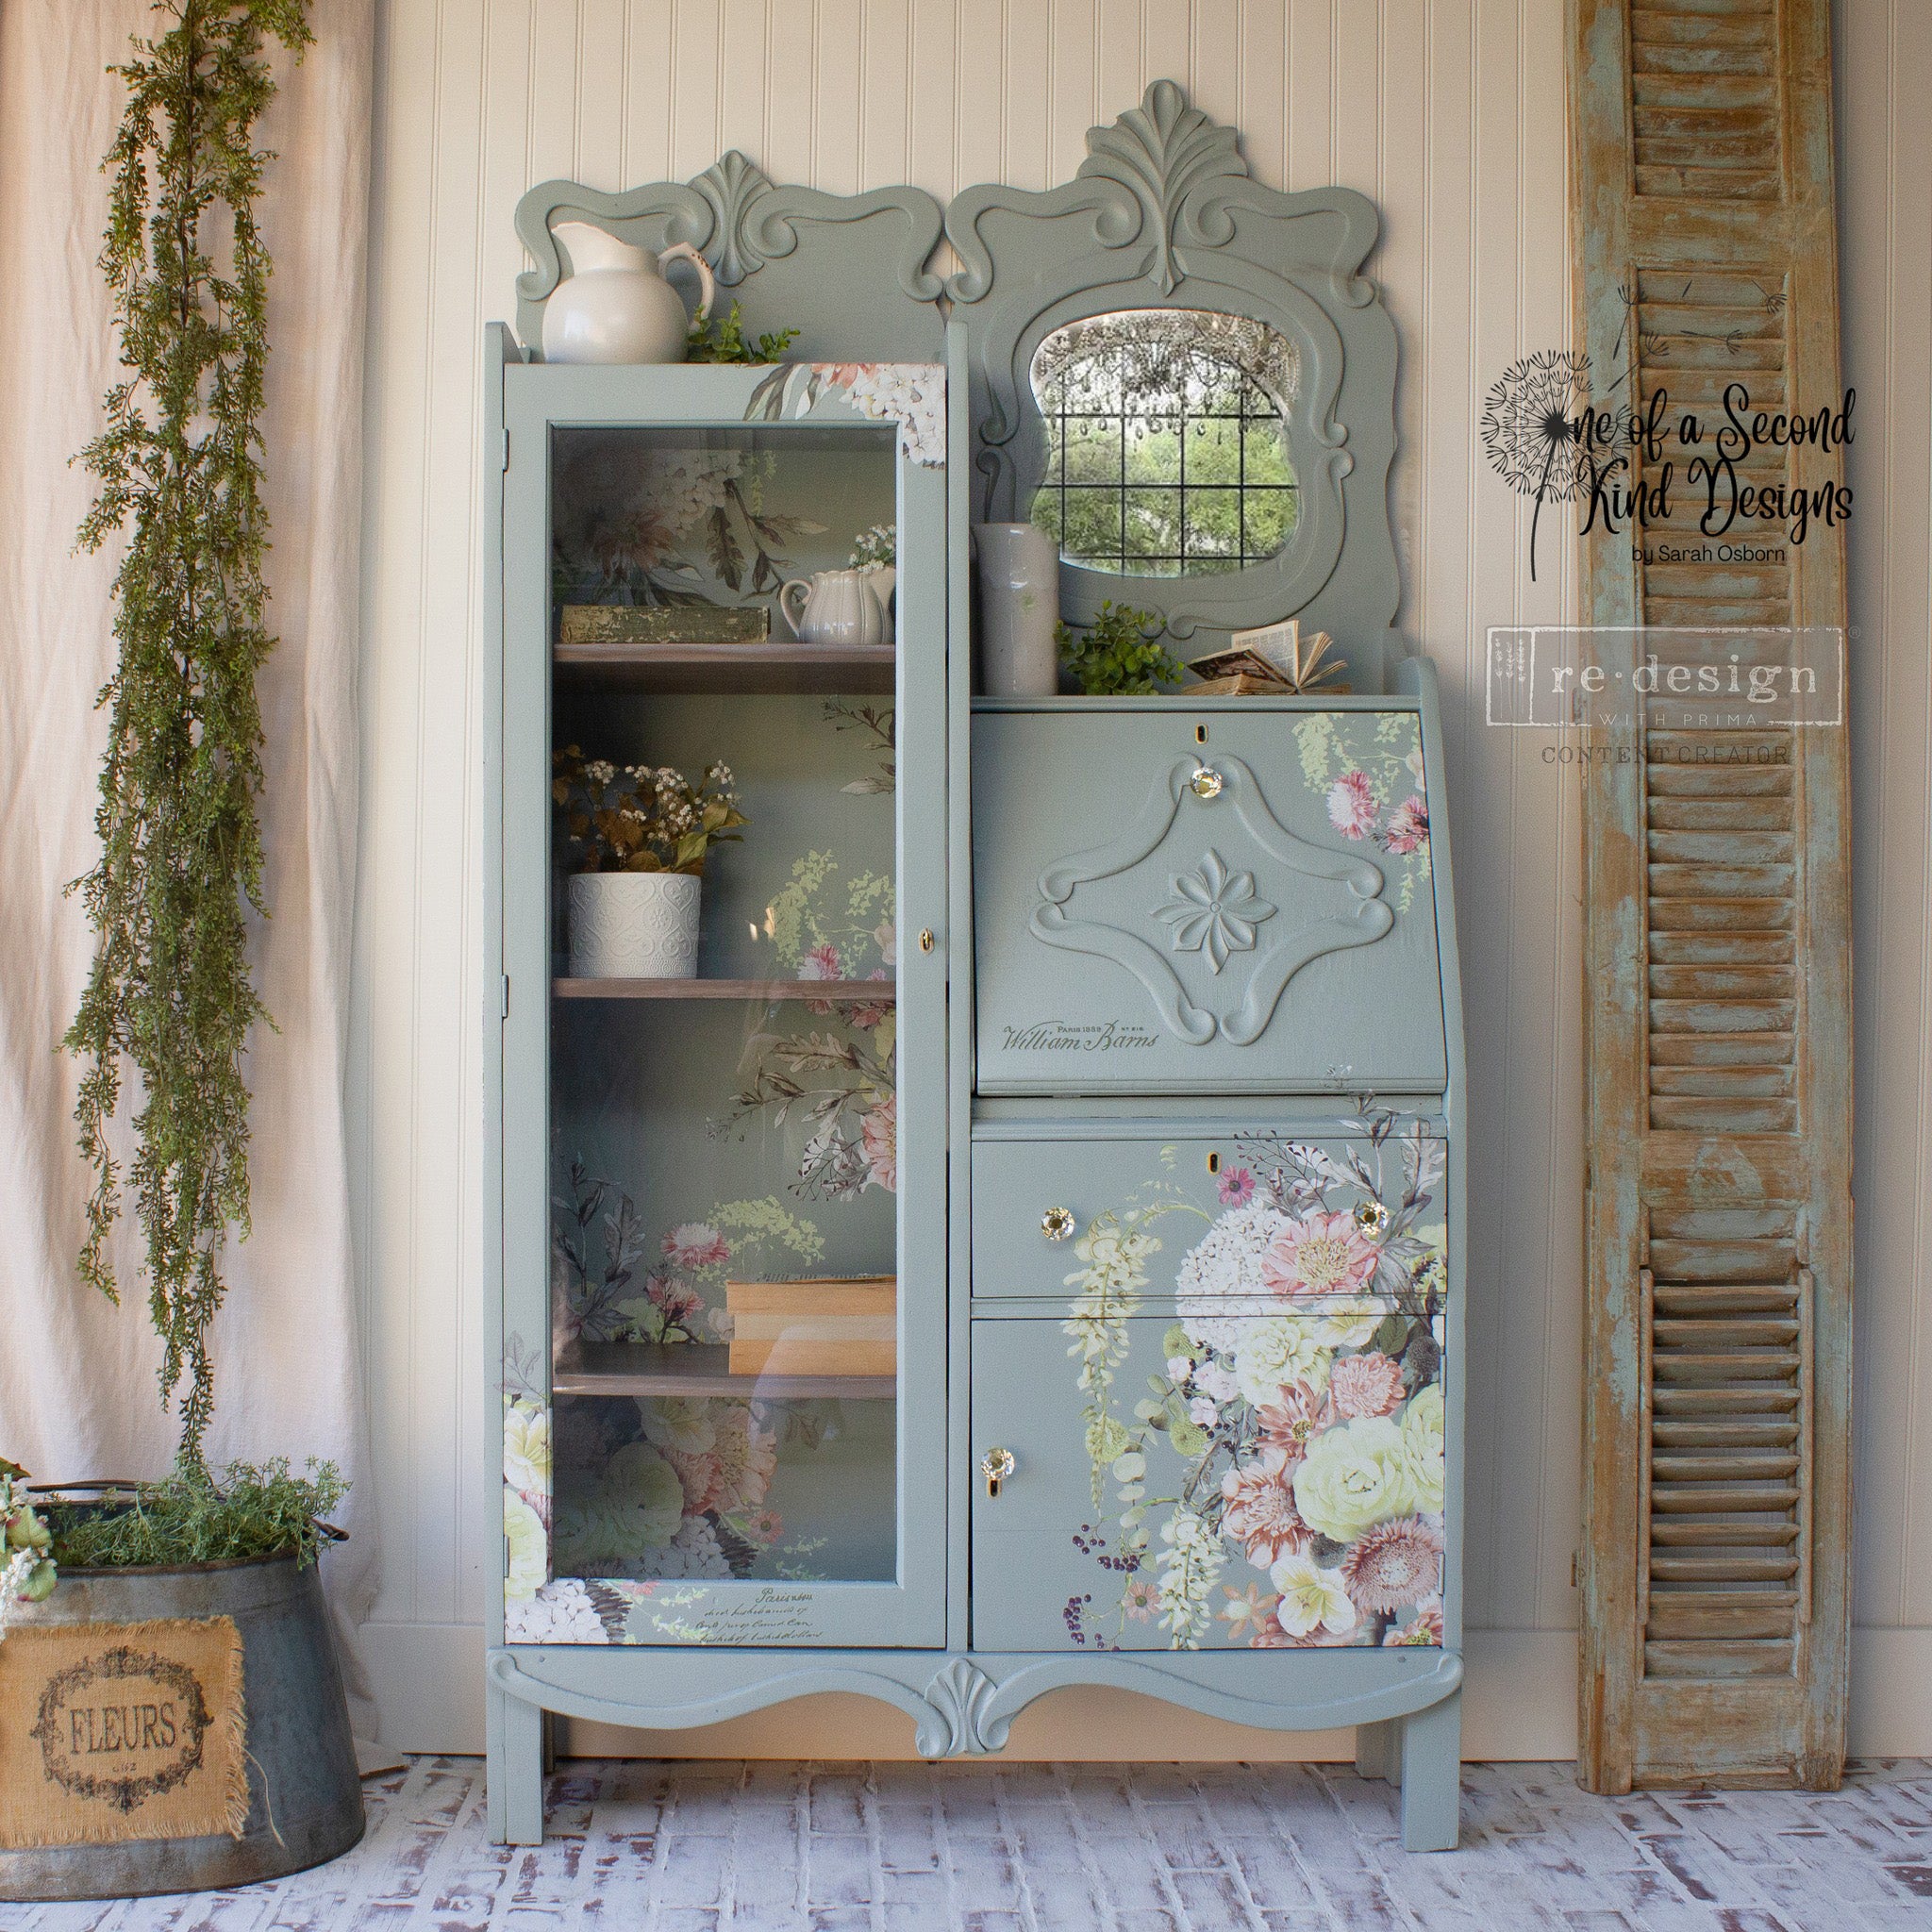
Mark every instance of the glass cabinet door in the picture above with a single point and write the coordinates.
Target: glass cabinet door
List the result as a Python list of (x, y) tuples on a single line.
[(723, 1100)]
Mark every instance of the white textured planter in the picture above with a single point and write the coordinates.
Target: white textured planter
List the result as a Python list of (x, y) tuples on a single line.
[(634, 924), (1019, 606)]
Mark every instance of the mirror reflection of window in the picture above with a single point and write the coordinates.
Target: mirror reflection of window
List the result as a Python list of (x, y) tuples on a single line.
[(1167, 442)]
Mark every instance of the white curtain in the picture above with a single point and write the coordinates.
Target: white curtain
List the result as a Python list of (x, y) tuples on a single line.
[(78, 1392)]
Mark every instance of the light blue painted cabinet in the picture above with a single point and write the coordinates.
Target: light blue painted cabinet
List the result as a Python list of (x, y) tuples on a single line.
[(1020, 1246)]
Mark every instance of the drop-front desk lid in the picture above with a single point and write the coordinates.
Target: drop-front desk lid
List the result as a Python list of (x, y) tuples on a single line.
[(1156, 912)]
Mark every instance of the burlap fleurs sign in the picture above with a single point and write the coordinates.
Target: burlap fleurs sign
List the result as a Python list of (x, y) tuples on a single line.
[(117, 1731)]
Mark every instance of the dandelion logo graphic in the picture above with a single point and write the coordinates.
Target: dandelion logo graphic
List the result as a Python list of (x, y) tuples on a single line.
[(1532, 429)]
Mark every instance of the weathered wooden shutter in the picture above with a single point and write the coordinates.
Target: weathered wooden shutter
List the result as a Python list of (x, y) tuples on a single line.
[(1716, 946)]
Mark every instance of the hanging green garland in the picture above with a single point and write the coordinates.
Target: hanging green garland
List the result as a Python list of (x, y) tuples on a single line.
[(170, 994)]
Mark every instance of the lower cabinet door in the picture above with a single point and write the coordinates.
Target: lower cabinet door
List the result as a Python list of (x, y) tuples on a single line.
[(1206, 1482)]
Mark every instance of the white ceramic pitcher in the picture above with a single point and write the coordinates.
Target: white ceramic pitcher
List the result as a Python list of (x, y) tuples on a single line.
[(837, 606), (615, 305)]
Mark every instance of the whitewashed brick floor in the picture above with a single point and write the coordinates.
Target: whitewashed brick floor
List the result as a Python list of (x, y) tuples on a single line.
[(703, 1847)]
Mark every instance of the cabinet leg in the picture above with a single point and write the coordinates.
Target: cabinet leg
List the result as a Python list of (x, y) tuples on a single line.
[(1374, 1750), (514, 1770), (1431, 1750)]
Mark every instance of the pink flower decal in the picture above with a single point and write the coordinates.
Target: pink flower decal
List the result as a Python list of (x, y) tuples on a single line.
[(1352, 806), (1425, 1627), (1288, 1423), (866, 1018), (822, 962), (1321, 1254), (1259, 1510), (1237, 1188), (696, 1244), (1365, 1385), (1409, 827), (1250, 1613), (734, 1473), (1393, 1563), (673, 1297), (1141, 1599), (879, 1130)]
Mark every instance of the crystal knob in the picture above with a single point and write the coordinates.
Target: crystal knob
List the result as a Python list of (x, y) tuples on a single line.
[(1206, 783), (1371, 1218), (1056, 1223), (996, 1465)]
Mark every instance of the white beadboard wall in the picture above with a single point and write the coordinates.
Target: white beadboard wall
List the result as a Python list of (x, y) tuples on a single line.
[(1450, 114)]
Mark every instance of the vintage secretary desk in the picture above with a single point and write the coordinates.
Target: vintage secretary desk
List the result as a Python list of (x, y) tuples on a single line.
[(1115, 1044)]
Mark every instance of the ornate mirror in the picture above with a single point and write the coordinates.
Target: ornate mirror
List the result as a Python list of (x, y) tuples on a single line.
[(1183, 377), (1167, 449)]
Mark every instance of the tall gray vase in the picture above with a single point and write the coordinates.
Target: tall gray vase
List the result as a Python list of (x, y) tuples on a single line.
[(1019, 604)]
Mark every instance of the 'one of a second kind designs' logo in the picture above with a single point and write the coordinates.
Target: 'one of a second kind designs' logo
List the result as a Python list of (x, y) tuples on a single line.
[(1624, 462)]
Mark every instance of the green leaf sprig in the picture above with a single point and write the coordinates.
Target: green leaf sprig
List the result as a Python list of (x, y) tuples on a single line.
[(1120, 653), (722, 340)]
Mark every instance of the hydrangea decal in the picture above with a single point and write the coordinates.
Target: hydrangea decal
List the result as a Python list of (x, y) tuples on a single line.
[(1296, 1426)]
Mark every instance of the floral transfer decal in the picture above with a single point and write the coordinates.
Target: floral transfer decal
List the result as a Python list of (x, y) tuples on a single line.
[(665, 1487), (913, 394), (535, 1609), (839, 1073), (1368, 767), (1281, 1484), (666, 526)]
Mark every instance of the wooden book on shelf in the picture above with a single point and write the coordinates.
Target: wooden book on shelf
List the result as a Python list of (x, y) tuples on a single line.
[(801, 1350), (823, 1294), (828, 1324)]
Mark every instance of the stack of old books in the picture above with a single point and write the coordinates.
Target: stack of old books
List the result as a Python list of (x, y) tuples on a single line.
[(832, 1325)]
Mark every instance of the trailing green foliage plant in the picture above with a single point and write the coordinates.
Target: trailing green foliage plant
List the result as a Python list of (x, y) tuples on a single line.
[(722, 340), (251, 1510), (1120, 653), (170, 994)]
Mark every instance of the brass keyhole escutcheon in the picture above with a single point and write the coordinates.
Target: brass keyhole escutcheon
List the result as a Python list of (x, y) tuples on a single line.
[(1206, 783), (1056, 1223), (926, 941), (1214, 1163), (996, 1465), (1200, 734)]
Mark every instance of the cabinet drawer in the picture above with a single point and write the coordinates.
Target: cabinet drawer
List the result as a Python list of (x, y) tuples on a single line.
[(1257, 1482), (1271, 1218), (1269, 928)]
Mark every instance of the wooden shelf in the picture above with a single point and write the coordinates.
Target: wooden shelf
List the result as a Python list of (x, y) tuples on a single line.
[(778, 665), (851, 992), (694, 1370)]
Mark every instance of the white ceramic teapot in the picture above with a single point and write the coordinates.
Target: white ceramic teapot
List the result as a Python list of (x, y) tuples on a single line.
[(616, 306), (837, 606)]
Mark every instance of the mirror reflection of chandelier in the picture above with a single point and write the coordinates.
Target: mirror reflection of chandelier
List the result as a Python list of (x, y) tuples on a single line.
[(1167, 442), (1164, 361)]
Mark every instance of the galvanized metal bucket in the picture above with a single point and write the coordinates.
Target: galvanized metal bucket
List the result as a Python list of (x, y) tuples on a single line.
[(305, 1798)]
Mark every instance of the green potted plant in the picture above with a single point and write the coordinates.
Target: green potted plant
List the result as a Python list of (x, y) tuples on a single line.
[(1120, 653), (636, 839), (172, 1715)]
